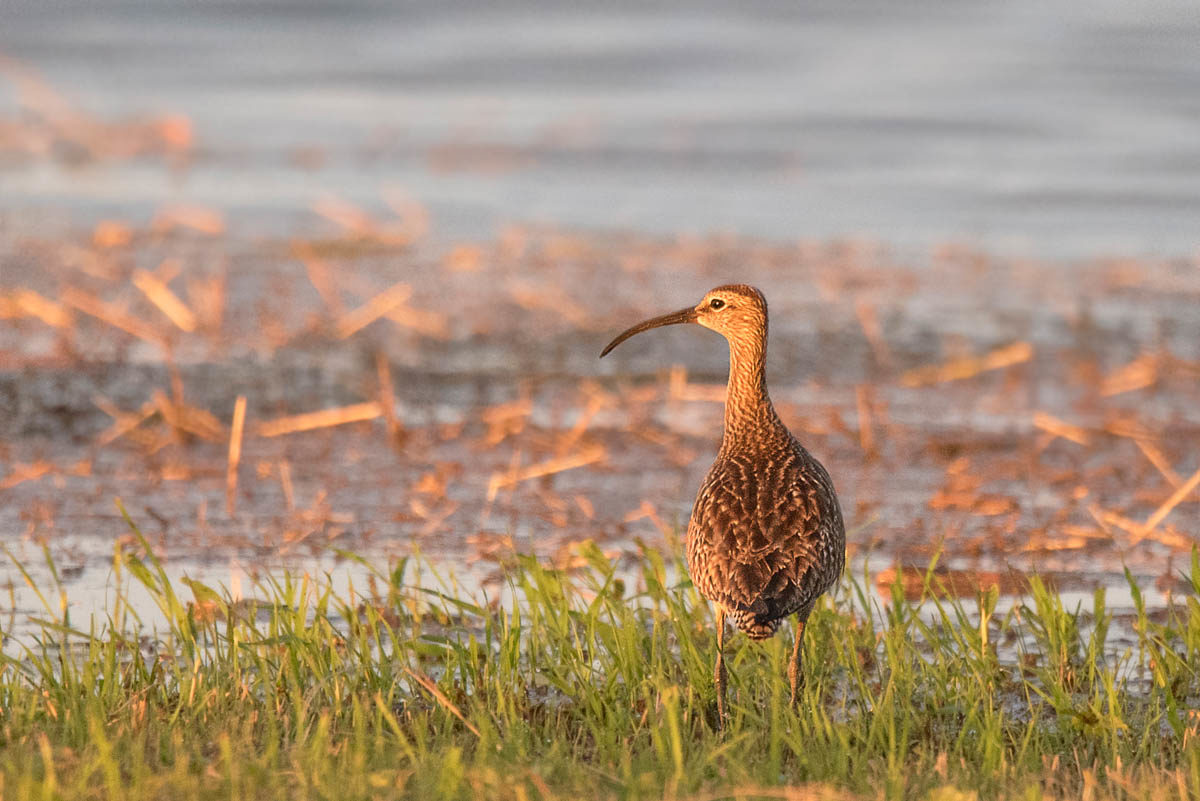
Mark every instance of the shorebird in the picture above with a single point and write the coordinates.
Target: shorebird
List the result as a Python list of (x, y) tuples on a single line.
[(766, 537)]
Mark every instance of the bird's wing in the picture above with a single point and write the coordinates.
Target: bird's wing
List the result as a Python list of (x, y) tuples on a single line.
[(763, 533)]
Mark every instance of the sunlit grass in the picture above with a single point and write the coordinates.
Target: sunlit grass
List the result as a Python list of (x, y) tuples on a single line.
[(594, 683)]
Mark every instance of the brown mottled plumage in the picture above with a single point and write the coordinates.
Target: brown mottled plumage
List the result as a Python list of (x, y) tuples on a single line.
[(766, 537)]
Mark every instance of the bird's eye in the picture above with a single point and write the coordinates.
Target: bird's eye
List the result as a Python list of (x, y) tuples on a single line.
[(716, 303)]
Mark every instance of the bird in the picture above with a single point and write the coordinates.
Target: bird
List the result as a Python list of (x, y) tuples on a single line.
[(765, 538)]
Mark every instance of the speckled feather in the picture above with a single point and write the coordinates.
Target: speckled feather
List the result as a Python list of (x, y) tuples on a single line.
[(766, 536)]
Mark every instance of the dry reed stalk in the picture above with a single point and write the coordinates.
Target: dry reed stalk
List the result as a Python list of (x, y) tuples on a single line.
[(505, 419), (514, 464), (153, 440), (676, 382), (34, 93), (586, 506), (190, 419), (1162, 511), (1084, 532), (490, 546), (359, 225), (678, 388), (325, 418), (569, 555), (1140, 373), (89, 262), (111, 234), (568, 440), (592, 389), (176, 132), (198, 218), (1168, 535), (989, 505), (176, 379), (632, 396), (346, 215), (168, 270), (434, 518), (1159, 461), (372, 310), (387, 398), (559, 464), (464, 259), (316, 518), (235, 454), (647, 511), (1041, 543), (432, 483), (413, 217), (1067, 536), (1130, 428), (27, 303), (951, 583), (958, 369), (285, 483), (1109, 520), (207, 296), (1060, 428), (167, 302), (1182, 367), (427, 322), (26, 472), (837, 423), (53, 118), (556, 503), (123, 422), (553, 298), (433, 690), (866, 435), (118, 318), (320, 276), (868, 319)]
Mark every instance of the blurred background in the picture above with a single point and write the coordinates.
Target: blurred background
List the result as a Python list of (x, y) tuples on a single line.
[(1042, 128), (287, 275)]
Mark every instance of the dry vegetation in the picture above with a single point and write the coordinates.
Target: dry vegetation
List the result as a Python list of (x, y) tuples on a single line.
[(368, 385)]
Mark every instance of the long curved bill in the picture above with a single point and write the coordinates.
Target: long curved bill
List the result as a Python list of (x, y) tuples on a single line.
[(687, 315)]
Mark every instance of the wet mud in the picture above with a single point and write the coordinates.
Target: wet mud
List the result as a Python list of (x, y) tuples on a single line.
[(447, 400)]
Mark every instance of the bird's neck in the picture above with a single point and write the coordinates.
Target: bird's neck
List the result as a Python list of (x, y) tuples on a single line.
[(747, 405)]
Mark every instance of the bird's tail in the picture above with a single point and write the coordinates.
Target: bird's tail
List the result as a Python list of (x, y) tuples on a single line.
[(755, 627)]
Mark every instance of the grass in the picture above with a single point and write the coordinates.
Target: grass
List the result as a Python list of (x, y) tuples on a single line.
[(591, 684)]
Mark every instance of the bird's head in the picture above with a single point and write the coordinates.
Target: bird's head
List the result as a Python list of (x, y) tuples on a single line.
[(736, 311)]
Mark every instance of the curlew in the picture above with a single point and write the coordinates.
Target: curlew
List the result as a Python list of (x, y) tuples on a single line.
[(765, 538)]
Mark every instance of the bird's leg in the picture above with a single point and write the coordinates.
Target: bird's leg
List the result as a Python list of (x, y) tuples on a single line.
[(719, 674), (795, 672)]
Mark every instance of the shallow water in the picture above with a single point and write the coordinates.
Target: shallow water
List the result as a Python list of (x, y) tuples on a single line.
[(1053, 143), (1047, 129), (517, 438)]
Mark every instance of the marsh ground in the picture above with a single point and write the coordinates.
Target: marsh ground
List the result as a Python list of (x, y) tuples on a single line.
[(217, 305)]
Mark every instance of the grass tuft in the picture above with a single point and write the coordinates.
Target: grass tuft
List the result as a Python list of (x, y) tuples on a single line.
[(594, 683)]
